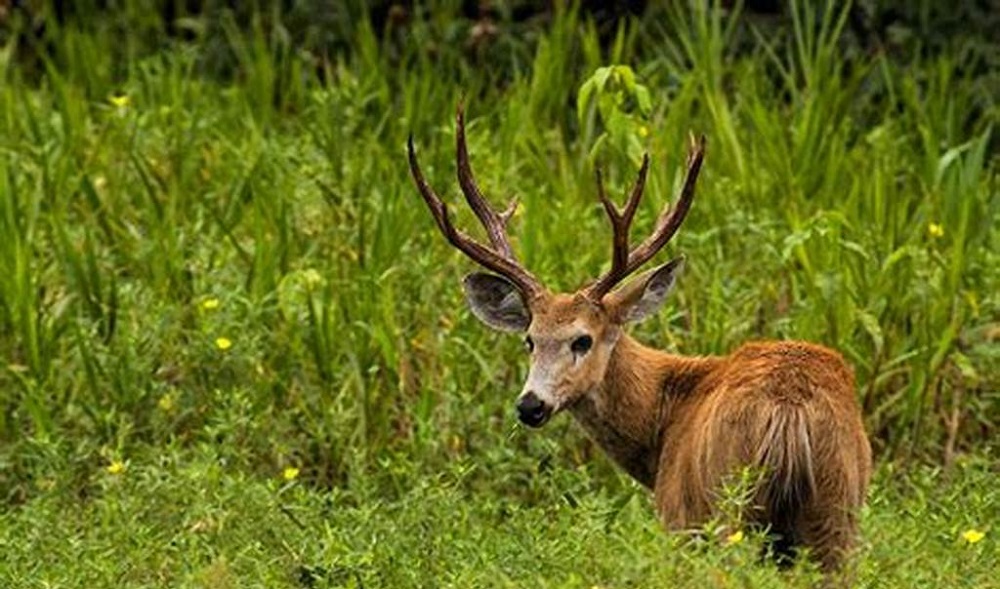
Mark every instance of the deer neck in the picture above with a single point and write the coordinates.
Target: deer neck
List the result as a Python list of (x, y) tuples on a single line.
[(628, 413)]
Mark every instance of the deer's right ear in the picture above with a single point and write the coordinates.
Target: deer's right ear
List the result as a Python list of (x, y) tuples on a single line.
[(496, 302)]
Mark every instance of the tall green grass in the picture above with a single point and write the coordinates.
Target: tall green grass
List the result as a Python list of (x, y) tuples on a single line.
[(148, 209)]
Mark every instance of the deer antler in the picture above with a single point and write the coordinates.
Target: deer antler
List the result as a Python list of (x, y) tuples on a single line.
[(499, 256), (625, 262)]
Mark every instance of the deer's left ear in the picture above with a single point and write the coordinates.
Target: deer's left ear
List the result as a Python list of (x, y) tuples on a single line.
[(644, 296)]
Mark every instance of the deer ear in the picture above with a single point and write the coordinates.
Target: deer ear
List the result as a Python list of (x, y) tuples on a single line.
[(644, 296), (496, 302)]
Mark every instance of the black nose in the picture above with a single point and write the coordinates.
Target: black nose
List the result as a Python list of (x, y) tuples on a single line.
[(532, 411)]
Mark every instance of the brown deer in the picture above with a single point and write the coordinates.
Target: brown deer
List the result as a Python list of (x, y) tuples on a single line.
[(679, 425)]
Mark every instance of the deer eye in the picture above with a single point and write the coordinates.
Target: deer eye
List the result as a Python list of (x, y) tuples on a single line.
[(581, 344), (529, 343)]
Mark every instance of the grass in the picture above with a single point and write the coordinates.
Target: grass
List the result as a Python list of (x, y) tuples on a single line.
[(175, 519), (150, 206)]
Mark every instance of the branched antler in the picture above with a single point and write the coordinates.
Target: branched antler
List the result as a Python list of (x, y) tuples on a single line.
[(494, 222), (625, 262), (499, 256)]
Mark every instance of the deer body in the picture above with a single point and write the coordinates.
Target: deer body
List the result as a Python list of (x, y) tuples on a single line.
[(681, 426)]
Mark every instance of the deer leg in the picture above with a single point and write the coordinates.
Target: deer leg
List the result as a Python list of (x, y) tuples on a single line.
[(830, 532)]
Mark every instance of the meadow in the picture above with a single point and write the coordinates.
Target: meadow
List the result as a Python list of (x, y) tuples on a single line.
[(234, 350)]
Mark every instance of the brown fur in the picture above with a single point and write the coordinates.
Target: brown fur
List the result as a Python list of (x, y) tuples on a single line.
[(682, 425)]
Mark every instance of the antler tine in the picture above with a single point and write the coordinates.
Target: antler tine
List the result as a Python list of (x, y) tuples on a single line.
[(667, 223), (489, 258), (495, 223), (670, 220), (621, 222)]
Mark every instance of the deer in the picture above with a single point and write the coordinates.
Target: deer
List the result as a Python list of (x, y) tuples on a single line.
[(681, 426)]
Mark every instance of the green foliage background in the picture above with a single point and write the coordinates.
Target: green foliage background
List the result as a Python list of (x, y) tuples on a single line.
[(850, 197)]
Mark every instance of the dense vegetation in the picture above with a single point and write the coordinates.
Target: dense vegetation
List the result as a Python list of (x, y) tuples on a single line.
[(234, 347)]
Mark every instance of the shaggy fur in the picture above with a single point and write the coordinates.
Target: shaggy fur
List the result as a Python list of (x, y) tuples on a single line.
[(682, 425)]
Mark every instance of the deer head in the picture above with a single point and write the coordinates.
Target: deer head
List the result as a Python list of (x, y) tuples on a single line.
[(571, 337)]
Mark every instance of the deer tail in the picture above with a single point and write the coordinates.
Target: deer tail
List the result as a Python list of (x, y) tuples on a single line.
[(785, 456)]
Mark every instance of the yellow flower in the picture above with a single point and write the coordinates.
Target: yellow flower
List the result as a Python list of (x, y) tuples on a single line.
[(119, 100), (935, 230), (210, 304), (223, 343), (116, 467), (643, 131), (290, 473), (312, 277), (973, 535), (734, 538), (166, 403)]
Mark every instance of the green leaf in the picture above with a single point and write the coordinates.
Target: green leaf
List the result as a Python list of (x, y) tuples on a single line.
[(644, 100), (583, 99), (965, 367), (871, 325)]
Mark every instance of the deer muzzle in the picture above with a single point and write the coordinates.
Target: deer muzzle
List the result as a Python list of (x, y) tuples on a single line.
[(532, 411)]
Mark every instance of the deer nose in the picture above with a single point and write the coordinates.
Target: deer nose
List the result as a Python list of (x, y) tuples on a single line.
[(532, 411)]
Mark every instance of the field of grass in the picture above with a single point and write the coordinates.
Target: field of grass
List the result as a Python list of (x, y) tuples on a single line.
[(234, 351), (187, 519)]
